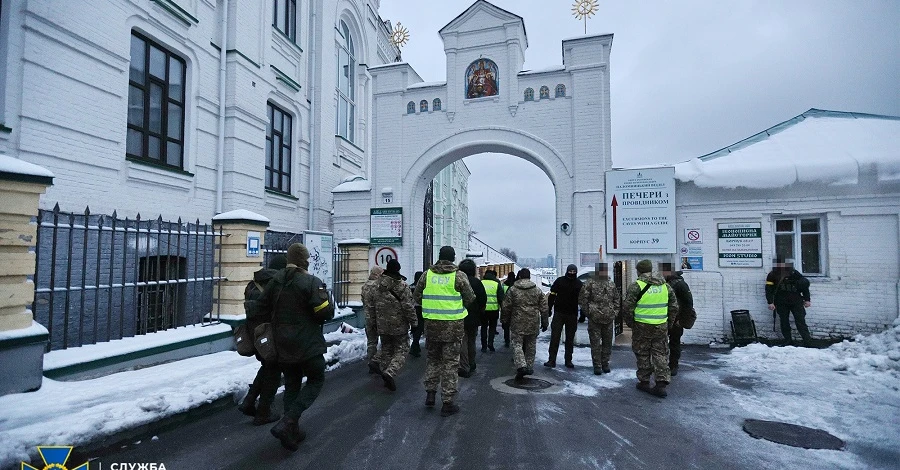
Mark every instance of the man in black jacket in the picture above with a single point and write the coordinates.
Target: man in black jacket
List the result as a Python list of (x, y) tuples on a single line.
[(787, 292), (564, 296), (299, 304), (685, 304), (268, 371), (472, 320)]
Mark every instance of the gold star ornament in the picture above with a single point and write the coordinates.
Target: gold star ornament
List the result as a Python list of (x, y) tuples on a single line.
[(584, 9), (400, 35)]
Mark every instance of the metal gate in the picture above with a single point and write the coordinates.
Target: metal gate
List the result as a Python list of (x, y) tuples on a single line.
[(428, 229)]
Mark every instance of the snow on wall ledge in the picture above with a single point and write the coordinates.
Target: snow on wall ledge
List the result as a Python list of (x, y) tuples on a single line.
[(815, 147)]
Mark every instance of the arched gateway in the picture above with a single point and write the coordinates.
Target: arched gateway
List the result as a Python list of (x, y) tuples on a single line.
[(488, 104)]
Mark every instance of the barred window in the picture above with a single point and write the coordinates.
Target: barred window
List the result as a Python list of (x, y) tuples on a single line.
[(411, 108), (545, 92), (436, 104), (529, 94), (560, 91), (423, 106), (278, 150), (156, 100), (284, 18)]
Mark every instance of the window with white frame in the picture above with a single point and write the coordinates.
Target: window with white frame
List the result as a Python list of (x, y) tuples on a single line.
[(346, 88), (801, 238), (284, 18)]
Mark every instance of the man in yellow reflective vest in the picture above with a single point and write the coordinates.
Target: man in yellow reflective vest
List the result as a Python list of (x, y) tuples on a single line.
[(495, 295), (650, 309), (442, 292)]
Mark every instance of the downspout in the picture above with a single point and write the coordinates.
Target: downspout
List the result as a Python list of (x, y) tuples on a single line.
[(313, 138), (220, 157)]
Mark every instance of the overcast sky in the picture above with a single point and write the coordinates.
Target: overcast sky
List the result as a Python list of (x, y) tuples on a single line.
[(687, 78)]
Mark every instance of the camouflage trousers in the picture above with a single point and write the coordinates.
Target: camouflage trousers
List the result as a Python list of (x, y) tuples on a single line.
[(601, 336), (372, 353), (394, 349), (524, 348), (650, 344), (441, 368)]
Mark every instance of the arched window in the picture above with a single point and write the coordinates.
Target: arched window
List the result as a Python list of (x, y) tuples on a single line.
[(410, 108), (436, 104), (423, 106), (560, 91), (482, 79), (346, 86), (529, 94), (545, 92)]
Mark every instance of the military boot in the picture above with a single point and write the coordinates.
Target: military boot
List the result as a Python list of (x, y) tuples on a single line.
[(660, 389), (429, 399), (288, 432), (374, 368), (265, 415), (463, 373), (449, 408), (673, 368), (550, 364), (248, 405), (606, 368), (415, 350), (389, 382), (644, 386), (569, 364), (521, 372), (598, 371)]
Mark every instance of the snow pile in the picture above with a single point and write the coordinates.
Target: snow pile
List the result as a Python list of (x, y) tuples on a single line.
[(868, 355), (344, 312), (350, 346)]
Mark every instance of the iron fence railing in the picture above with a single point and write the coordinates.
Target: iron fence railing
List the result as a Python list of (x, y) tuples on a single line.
[(99, 277), (278, 243)]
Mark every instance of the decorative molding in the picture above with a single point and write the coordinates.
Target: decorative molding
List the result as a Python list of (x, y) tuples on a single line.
[(450, 115), (177, 11), (513, 109), (284, 78)]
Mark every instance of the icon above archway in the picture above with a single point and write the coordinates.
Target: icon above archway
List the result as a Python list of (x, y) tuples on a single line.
[(482, 79)]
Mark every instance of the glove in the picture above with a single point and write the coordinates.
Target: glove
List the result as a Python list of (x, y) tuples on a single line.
[(543, 328)]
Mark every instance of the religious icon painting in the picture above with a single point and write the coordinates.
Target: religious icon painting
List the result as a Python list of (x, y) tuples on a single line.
[(482, 79)]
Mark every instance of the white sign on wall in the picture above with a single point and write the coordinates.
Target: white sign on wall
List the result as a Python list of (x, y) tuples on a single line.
[(386, 226), (640, 211), (321, 256), (740, 245)]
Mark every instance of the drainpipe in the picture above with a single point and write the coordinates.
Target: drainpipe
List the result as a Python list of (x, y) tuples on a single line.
[(313, 137), (220, 158)]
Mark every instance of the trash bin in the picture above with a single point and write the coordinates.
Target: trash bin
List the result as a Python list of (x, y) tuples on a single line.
[(743, 328)]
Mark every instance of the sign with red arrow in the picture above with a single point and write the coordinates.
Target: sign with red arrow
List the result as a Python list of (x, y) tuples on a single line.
[(641, 215)]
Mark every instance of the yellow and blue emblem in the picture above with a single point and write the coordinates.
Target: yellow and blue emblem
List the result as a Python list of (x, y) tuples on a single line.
[(55, 458)]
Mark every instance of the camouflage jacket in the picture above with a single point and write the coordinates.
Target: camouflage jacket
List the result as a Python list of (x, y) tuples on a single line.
[(393, 306), (525, 308), (634, 290), (599, 300), (368, 300), (443, 330)]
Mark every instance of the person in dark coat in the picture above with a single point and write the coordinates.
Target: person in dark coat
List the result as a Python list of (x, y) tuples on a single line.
[(268, 371), (415, 350), (564, 297), (685, 304), (510, 280), (298, 305), (787, 293), (472, 320)]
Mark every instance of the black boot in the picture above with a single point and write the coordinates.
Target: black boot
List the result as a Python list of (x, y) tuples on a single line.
[(550, 364), (374, 368), (288, 432), (491, 346), (644, 387), (429, 399), (449, 408), (569, 364), (463, 373), (415, 350), (598, 371), (521, 372), (389, 382), (660, 389), (673, 368), (606, 368), (265, 415), (248, 405)]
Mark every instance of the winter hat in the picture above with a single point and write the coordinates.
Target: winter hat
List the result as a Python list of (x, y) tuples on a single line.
[(571, 267), (375, 272), (524, 273), (644, 266), (510, 278), (447, 253), (299, 255), (393, 266), (278, 261), (467, 266)]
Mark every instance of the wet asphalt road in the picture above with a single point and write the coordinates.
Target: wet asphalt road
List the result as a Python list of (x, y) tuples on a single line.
[(357, 424)]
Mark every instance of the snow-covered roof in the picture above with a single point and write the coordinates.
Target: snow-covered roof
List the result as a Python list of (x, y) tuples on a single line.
[(21, 167), (354, 241), (425, 85), (554, 68), (826, 147), (384, 66), (351, 184), (241, 214)]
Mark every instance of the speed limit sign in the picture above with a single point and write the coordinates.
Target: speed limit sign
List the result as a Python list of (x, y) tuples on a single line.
[(384, 255)]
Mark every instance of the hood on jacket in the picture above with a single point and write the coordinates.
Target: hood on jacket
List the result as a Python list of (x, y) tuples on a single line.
[(467, 266), (674, 276), (652, 279), (443, 267), (388, 282), (571, 267), (375, 273), (264, 275), (394, 275), (525, 284), (490, 276)]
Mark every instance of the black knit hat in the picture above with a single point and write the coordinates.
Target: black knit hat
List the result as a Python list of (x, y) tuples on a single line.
[(447, 253), (644, 266), (393, 266), (278, 261), (524, 273), (467, 266)]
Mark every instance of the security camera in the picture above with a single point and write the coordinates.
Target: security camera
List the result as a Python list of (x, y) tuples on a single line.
[(565, 227)]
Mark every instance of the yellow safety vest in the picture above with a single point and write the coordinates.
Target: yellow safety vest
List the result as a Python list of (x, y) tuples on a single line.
[(440, 300), (653, 308), (490, 287)]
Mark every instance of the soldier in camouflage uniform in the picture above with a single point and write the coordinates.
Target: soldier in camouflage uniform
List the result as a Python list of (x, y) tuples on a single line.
[(443, 331), (599, 300), (371, 323), (525, 310), (650, 309), (396, 315)]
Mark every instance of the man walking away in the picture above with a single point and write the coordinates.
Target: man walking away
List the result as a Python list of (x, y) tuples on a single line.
[(472, 321), (685, 305), (564, 297), (495, 294), (394, 305), (525, 309), (416, 350), (599, 301), (510, 280), (299, 304), (268, 371), (650, 309), (787, 292), (368, 300), (442, 291)]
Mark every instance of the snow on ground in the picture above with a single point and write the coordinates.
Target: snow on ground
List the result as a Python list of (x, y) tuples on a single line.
[(75, 413), (586, 386), (851, 389)]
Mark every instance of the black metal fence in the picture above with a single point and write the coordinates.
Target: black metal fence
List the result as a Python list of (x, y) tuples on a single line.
[(100, 278), (278, 243)]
